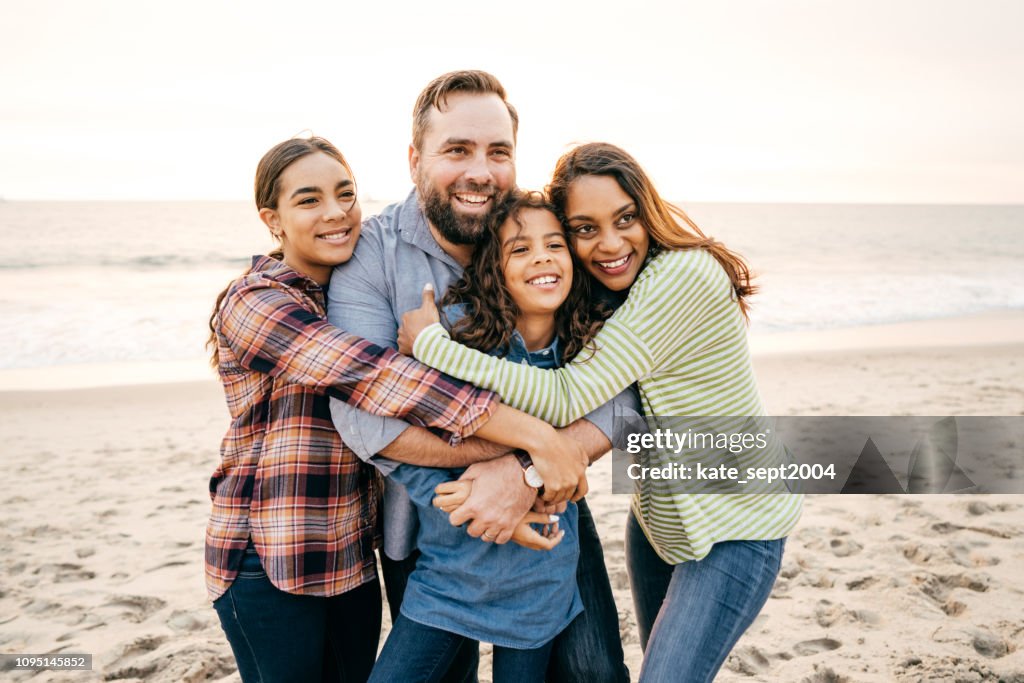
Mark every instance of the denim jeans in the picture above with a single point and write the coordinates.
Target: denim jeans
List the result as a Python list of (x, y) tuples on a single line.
[(690, 615), (463, 666), (415, 653), (280, 637), (589, 649)]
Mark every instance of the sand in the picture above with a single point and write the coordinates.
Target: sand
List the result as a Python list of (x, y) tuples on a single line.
[(104, 504)]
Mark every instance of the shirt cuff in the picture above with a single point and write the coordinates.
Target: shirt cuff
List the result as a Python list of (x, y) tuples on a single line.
[(429, 339)]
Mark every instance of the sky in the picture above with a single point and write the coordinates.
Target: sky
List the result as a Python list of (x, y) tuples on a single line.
[(912, 101)]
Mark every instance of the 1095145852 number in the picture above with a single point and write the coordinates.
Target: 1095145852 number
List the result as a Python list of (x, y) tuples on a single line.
[(35, 662)]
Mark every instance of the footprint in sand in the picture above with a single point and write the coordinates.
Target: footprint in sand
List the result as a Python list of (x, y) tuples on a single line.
[(862, 583), (65, 572), (135, 608), (845, 547), (988, 644), (749, 661), (982, 508), (828, 614), (181, 620), (805, 648), (939, 588)]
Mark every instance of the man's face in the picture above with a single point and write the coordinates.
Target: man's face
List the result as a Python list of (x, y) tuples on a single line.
[(466, 165)]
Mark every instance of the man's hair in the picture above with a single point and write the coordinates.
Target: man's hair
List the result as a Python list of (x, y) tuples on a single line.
[(435, 96)]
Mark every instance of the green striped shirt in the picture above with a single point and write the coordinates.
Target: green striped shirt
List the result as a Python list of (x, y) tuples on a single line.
[(681, 336)]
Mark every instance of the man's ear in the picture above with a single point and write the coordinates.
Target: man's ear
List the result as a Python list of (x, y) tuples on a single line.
[(414, 162), (272, 220)]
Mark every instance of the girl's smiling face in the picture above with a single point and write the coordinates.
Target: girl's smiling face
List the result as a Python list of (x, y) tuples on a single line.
[(609, 238), (317, 216), (537, 265)]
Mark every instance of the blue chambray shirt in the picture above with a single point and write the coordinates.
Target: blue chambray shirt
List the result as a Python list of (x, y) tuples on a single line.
[(395, 256), (480, 590)]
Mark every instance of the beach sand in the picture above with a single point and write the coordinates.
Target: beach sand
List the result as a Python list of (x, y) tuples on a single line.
[(104, 502)]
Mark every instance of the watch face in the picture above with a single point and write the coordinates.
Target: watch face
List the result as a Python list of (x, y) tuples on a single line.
[(533, 477)]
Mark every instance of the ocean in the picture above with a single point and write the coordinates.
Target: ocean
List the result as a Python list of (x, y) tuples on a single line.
[(115, 282)]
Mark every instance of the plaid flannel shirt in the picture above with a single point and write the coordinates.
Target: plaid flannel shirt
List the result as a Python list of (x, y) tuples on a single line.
[(285, 478)]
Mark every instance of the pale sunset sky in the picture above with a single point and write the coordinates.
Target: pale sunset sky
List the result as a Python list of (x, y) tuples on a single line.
[(916, 101)]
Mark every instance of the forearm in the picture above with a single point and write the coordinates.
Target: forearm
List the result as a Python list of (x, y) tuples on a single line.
[(516, 429), (587, 434), (418, 446), (558, 396)]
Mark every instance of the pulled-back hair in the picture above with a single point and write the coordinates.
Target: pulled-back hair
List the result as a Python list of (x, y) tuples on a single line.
[(492, 313), (668, 225), (267, 190), (435, 96)]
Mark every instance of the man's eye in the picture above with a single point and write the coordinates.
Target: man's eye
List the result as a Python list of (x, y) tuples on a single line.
[(502, 153), (457, 151)]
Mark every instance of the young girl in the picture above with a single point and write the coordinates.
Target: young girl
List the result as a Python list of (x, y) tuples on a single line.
[(289, 545), (701, 565), (518, 300)]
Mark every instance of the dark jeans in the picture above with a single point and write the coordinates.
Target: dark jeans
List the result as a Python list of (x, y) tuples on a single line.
[(280, 637), (415, 653), (691, 614), (589, 649)]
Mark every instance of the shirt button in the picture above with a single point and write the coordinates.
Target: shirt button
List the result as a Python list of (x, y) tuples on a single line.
[(546, 352), (524, 362)]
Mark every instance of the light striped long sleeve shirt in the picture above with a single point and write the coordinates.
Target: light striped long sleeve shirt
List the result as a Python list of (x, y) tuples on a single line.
[(682, 337)]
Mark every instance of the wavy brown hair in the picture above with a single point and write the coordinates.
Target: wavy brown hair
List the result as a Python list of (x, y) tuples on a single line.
[(667, 224), (267, 190), (492, 313)]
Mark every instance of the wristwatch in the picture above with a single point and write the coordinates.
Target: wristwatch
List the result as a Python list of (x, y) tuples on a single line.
[(530, 473)]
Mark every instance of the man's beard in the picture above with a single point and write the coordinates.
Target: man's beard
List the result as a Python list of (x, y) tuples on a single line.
[(454, 227)]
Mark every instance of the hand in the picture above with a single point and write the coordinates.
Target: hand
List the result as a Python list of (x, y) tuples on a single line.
[(547, 508), (498, 501), (414, 321), (528, 537), (452, 494), (562, 464)]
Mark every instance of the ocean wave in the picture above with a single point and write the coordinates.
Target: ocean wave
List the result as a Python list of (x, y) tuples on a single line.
[(143, 261)]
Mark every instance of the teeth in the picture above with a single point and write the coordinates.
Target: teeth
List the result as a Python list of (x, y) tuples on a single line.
[(546, 280), (334, 236), (614, 264), (472, 198)]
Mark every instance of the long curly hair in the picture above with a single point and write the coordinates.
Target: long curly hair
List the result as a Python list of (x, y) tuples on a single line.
[(492, 313), (669, 226)]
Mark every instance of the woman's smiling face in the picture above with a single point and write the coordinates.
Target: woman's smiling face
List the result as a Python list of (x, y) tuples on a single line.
[(610, 240)]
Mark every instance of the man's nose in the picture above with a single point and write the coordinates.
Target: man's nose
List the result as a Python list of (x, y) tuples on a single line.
[(479, 170)]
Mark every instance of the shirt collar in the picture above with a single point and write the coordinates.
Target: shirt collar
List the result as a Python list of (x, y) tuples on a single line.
[(279, 271), (551, 350), (415, 230)]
